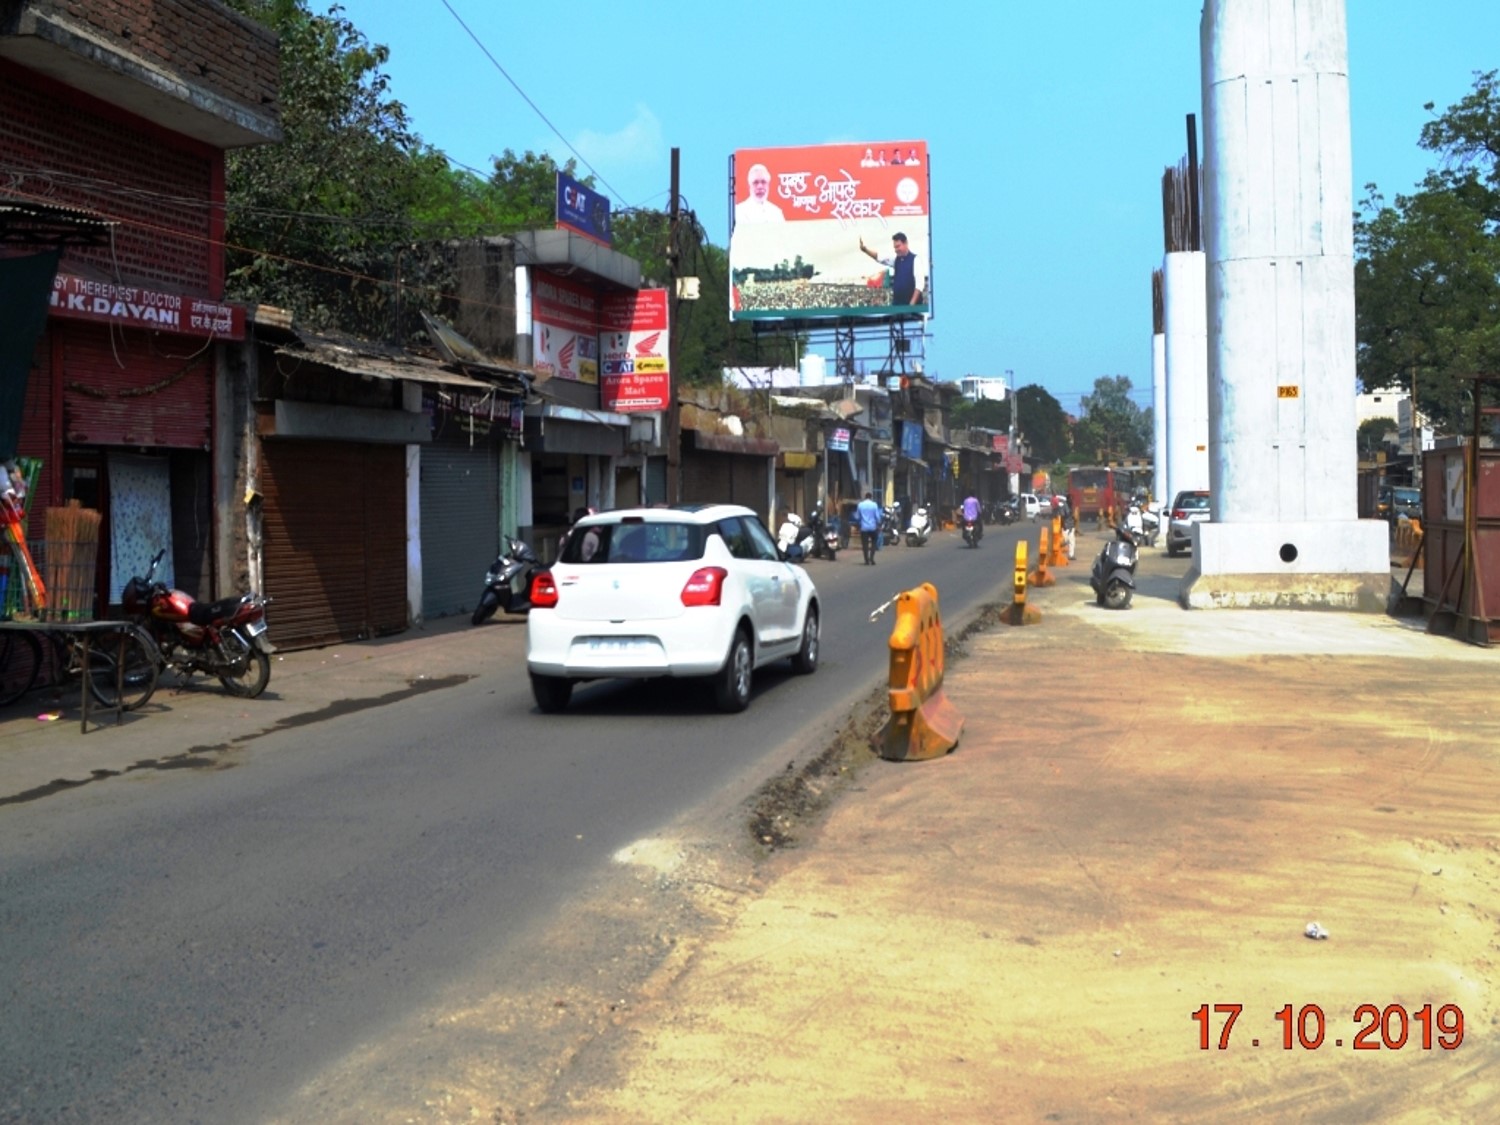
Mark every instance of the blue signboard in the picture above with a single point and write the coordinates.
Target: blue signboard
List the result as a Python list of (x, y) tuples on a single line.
[(911, 440), (582, 210)]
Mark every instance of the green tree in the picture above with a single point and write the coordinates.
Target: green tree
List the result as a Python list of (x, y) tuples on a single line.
[(985, 413), (314, 222), (1041, 421), (1112, 424), (1372, 434), (1427, 274)]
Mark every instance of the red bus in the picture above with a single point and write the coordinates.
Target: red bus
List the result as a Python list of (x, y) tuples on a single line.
[(1093, 488)]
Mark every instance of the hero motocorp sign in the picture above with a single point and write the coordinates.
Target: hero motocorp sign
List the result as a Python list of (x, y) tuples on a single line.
[(831, 231)]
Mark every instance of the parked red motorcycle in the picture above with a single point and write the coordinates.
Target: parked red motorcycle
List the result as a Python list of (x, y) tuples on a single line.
[(225, 638)]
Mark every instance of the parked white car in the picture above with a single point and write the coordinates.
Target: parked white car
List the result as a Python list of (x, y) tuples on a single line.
[(689, 591), (1031, 507)]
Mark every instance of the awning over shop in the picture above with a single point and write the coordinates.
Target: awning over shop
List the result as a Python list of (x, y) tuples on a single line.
[(729, 443), (368, 361), (29, 223), (554, 428)]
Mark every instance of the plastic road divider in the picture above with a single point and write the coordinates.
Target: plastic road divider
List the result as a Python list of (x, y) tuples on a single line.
[(1041, 576), (1018, 612), (923, 723)]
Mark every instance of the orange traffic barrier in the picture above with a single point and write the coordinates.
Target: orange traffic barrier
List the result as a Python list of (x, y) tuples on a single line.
[(1018, 612), (1041, 576), (923, 722), (1059, 556)]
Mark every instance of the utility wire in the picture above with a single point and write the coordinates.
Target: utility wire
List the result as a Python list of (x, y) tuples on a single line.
[(527, 98)]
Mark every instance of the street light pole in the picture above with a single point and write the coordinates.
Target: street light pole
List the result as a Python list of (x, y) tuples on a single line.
[(1010, 442)]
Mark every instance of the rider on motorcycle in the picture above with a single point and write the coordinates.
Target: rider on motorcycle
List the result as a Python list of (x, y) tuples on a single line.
[(971, 516)]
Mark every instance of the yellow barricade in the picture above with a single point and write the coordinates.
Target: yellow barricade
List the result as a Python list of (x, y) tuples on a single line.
[(1018, 612), (1041, 576), (923, 723), (1059, 556)]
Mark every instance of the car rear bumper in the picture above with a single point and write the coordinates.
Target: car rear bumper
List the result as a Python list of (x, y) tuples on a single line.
[(603, 650)]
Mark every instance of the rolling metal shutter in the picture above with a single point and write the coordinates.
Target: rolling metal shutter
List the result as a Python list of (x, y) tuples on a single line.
[(134, 388), (334, 525), (460, 497)]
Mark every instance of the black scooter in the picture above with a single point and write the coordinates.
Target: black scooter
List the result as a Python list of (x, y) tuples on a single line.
[(507, 585), (1113, 576)]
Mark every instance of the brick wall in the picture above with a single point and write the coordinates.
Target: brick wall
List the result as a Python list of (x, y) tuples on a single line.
[(201, 41), (52, 148)]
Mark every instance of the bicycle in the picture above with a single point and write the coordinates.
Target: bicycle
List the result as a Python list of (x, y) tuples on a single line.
[(24, 652)]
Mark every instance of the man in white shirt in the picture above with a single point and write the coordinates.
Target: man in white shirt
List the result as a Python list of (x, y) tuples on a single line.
[(758, 208)]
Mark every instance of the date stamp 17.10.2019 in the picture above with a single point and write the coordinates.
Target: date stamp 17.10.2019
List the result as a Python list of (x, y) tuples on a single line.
[(1305, 1027)]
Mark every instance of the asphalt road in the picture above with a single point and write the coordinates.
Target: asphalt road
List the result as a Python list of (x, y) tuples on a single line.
[(199, 945)]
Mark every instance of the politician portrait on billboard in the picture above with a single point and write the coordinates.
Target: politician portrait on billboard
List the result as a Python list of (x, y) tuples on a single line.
[(835, 231)]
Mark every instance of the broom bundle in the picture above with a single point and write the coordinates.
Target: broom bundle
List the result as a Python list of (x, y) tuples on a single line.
[(72, 548)]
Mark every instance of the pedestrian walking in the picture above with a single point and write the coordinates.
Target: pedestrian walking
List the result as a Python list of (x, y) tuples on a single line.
[(867, 512)]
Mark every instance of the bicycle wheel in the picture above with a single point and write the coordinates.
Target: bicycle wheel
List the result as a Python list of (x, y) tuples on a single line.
[(136, 683), (20, 660)]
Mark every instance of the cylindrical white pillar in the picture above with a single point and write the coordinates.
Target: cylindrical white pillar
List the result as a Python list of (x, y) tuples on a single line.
[(1184, 318), (1159, 417), (1278, 193)]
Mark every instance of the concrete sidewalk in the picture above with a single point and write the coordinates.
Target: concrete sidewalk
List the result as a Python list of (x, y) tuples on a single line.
[(1146, 811)]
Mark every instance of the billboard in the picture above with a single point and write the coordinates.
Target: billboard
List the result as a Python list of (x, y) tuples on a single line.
[(582, 210), (565, 328), (633, 339), (830, 231)]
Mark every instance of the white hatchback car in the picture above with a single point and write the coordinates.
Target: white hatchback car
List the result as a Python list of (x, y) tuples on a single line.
[(688, 591)]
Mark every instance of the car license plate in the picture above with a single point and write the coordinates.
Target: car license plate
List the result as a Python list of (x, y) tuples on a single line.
[(614, 644), (255, 628)]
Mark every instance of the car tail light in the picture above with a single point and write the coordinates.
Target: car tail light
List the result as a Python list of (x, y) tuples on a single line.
[(705, 586), (543, 590), (1179, 513)]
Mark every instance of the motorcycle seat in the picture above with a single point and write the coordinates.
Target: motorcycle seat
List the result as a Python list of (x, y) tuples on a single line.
[(205, 613)]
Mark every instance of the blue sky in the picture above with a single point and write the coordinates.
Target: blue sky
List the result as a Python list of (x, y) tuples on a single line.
[(1049, 126)]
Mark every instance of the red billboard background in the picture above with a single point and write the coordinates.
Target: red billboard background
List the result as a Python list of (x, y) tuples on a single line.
[(800, 216)]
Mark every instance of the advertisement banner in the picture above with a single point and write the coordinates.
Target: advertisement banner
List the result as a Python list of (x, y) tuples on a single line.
[(911, 440), (838, 441), (835, 231), (633, 347), (104, 302), (582, 210), (565, 328)]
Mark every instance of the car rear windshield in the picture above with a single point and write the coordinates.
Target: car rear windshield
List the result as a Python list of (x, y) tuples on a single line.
[(1408, 496), (1193, 501), (634, 542)]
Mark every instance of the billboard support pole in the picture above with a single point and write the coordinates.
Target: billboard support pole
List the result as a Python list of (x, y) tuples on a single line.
[(843, 351), (674, 411)]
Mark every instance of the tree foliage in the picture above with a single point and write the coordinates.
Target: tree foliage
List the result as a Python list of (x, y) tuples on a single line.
[(1112, 425), (1427, 274), (1372, 435), (1041, 421)]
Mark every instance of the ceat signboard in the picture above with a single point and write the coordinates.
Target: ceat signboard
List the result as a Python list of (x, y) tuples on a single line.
[(633, 351), (831, 232), (582, 210)]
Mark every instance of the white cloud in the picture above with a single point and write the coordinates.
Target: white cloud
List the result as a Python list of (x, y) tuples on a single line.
[(637, 144)]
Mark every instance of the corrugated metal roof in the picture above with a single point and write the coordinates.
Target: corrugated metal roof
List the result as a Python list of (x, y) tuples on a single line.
[(27, 222), (376, 361)]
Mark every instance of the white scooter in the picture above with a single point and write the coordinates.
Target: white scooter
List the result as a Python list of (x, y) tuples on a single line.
[(920, 528), (794, 532)]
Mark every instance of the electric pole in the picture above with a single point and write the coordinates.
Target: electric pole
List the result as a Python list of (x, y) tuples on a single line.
[(674, 413)]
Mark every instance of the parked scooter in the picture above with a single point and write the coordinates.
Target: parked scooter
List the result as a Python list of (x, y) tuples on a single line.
[(1113, 576), (507, 584), (794, 532), (890, 526), (919, 530), (825, 535), (1007, 512), (226, 638)]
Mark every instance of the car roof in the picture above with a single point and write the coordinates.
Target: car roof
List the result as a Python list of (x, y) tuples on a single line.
[(680, 513)]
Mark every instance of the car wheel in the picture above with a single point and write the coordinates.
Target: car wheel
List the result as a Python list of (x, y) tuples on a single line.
[(551, 692), (732, 684), (806, 660), (1172, 552)]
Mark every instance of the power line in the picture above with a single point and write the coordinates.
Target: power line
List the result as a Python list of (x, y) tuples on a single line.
[(535, 108)]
